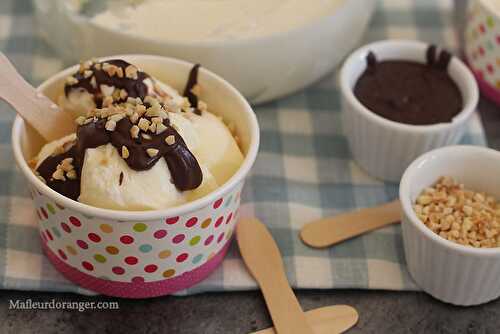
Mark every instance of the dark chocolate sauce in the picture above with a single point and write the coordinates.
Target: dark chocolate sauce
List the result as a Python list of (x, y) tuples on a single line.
[(188, 91), (184, 168), (135, 87), (410, 92)]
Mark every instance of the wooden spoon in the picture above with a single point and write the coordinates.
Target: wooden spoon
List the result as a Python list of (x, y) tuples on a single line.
[(34, 107), (329, 231), (327, 320), (263, 259)]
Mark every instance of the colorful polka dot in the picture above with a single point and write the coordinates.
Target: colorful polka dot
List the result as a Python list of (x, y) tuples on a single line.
[(82, 244), (71, 250), (137, 279), (118, 270), (191, 222), (49, 235), (229, 217), (182, 257), (209, 240), (164, 254), (145, 248), (94, 237), (218, 203), (112, 250), (219, 221), (482, 29), (100, 258), (106, 228), (44, 213), (206, 223), (150, 268), (140, 227), (126, 239), (131, 260), (56, 232), (160, 234), (195, 240), (62, 255), (490, 22), (169, 273), (197, 258), (172, 221), (75, 221), (65, 227), (178, 238), (51, 208), (481, 51), (220, 238), (87, 265)]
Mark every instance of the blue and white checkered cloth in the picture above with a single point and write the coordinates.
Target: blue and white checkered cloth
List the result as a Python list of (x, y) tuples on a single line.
[(303, 172)]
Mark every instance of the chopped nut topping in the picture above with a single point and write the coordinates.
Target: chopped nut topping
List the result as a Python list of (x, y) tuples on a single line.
[(110, 125), (123, 94), (160, 127), (117, 117), (463, 216), (87, 74), (152, 127), (143, 124), (134, 118), (66, 165), (125, 152), (93, 82), (80, 120), (134, 131), (59, 175), (152, 152), (107, 90), (146, 136), (107, 101), (71, 174), (119, 72), (157, 120), (71, 80), (170, 140), (131, 72)]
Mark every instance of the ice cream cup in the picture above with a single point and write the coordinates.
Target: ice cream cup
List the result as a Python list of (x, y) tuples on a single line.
[(138, 254), (448, 271), (382, 147), (482, 46)]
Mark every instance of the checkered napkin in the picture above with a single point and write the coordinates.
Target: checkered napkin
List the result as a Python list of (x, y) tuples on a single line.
[(303, 172)]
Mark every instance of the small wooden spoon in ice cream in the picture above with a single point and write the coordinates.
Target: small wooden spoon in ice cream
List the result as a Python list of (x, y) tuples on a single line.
[(34, 107)]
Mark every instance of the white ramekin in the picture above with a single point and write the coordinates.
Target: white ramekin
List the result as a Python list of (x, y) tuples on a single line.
[(137, 254), (448, 271), (262, 68), (382, 147)]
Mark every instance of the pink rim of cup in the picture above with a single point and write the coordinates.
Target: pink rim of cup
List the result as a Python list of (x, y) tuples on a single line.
[(382, 147), (206, 206), (450, 272)]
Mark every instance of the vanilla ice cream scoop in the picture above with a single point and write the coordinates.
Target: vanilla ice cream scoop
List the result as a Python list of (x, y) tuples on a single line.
[(142, 153)]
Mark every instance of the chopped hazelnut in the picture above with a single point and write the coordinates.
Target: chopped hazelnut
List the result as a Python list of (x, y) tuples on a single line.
[(170, 140), (143, 124), (110, 125), (125, 152), (134, 131), (152, 152)]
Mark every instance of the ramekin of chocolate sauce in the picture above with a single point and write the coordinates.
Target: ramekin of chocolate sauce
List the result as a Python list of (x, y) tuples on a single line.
[(400, 99)]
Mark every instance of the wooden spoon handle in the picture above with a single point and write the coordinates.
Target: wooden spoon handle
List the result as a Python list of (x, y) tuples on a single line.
[(329, 231), (263, 259), (35, 108)]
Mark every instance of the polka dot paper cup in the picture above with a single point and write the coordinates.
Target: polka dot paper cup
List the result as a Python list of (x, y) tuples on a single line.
[(139, 254), (482, 46)]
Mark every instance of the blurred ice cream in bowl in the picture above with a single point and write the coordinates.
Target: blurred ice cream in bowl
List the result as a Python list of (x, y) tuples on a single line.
[(265, 48)]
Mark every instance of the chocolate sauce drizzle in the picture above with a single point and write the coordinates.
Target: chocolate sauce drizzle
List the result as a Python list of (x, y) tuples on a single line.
[(135, 87), (188, 91), (410, 92), (184, 168)]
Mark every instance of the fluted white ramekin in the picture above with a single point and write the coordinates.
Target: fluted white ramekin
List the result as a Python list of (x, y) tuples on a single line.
[(448, 271), (385, 148)]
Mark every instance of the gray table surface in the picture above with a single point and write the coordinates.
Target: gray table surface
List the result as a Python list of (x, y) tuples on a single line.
[(243, 312)]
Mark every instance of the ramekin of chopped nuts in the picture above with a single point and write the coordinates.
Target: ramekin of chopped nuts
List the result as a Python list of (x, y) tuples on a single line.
[(451, 223)]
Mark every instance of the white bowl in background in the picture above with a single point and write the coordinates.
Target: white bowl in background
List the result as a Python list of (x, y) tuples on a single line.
[(262, 68), (138, 254), (384, 148), (448, 271)]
